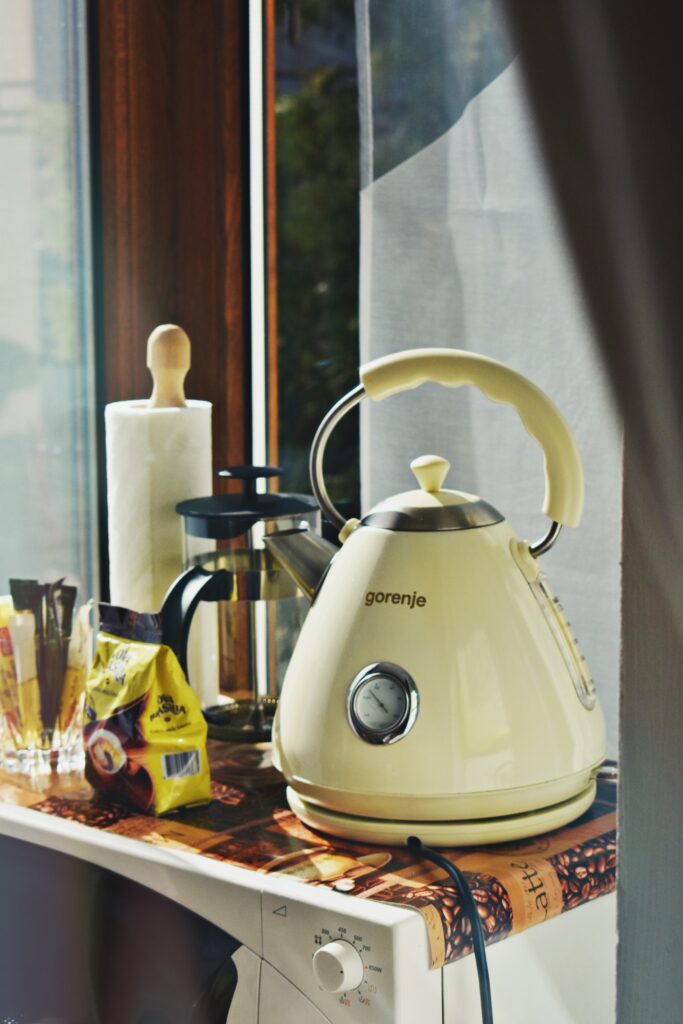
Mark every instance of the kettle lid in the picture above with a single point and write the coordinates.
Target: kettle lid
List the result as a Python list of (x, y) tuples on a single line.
[(432, 507)]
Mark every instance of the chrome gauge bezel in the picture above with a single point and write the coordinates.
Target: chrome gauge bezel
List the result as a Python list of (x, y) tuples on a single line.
[(407, 721)]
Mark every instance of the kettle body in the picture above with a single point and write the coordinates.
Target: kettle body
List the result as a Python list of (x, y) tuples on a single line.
[(436, 685)]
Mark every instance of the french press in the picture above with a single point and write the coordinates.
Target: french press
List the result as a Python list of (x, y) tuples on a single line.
[(260, 609)]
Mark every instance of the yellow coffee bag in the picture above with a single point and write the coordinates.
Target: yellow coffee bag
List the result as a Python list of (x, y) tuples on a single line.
[(144, 731)]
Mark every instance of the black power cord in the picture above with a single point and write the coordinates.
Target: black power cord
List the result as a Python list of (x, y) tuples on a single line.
[(607, 772), (414, 844)]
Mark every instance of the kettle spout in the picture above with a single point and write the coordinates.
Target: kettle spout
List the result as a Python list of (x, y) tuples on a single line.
[(303, 555)]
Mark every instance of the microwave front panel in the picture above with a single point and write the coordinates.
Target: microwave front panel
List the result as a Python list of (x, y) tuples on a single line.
[(383, 953), (244, 1007), (281, 1003)]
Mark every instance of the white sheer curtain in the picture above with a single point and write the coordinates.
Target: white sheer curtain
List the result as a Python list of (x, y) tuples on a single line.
[(605, 83), (460, 247)]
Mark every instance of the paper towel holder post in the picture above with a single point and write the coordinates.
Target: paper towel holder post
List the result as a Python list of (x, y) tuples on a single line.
[(168, 360)]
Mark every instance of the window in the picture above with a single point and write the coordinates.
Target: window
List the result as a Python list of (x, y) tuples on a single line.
[(47, 502), (318, 175)]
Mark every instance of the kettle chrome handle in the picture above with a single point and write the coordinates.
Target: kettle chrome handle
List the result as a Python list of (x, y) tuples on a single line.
[(403, 371)]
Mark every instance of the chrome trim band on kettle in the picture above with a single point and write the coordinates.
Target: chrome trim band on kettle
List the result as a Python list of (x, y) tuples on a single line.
[(345, 404), (467, 516)]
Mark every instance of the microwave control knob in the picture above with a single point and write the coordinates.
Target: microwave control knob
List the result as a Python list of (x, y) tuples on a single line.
[(338, 966)]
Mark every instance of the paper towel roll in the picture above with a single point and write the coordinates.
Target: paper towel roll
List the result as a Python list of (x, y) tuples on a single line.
[(157, 457)]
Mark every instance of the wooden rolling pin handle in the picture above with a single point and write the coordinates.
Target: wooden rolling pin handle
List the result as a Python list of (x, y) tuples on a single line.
[(168, 359)]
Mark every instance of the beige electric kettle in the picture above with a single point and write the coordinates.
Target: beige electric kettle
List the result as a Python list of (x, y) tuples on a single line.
[(436, 687)]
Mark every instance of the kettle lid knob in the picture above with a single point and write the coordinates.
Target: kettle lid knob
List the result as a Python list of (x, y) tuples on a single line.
[(430, 471)]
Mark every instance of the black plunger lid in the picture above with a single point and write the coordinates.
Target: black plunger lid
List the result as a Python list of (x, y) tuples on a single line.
[(224, 516)]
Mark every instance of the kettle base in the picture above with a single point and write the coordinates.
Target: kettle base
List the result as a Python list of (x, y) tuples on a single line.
[(474, 832)]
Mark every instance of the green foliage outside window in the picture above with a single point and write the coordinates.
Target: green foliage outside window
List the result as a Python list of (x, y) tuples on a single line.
[(318, 240)]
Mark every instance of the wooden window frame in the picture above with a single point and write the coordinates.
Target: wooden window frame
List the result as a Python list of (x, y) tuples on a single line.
[(169, 86)]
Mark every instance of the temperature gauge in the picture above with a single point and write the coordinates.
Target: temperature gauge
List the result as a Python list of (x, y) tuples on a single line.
[(382, 703)]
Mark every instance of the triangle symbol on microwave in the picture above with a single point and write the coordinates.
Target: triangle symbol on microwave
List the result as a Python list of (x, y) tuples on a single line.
[(281, 911)]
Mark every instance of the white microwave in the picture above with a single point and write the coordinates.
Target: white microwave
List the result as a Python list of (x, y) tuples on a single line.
[(156, 935)]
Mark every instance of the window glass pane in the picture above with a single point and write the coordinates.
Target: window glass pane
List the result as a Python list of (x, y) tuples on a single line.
[(317, 234), (46, 376)]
